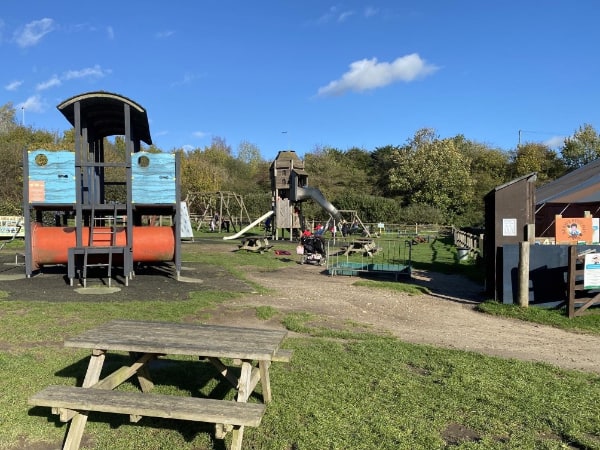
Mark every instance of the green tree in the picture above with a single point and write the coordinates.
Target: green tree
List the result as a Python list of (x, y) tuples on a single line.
[(382, 163), (433, 172), (327, 171), (419, 213), (14, 140), (11, 183), (539, 158), (199, 173), (8, 120), (582, 148), (249, 154), (248, 172), (370, 208), (488, 169)]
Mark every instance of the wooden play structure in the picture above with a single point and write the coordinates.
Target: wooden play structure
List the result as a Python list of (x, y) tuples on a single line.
[(110, 201), (227, 206), (289, 186)]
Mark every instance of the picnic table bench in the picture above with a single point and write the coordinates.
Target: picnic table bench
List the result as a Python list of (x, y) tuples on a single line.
[(255, 244), (69, 399), (253, 349), (366, 246)]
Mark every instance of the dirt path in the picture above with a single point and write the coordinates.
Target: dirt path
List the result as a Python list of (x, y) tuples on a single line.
[(446, 318)]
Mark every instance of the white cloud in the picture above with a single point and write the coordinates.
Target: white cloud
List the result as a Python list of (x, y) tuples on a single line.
[(344, 15), (367, 74), (370, 11), (187, 79), (33, 32), (52, 82), (110, 32), (165, 34), (335, 14), (88, 72), (32, 104), (555, 142), (200, 134), (13, 85), (94, 72)]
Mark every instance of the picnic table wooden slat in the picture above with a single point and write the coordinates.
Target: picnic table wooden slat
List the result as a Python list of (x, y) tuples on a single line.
[(151, 405), (181, 339)]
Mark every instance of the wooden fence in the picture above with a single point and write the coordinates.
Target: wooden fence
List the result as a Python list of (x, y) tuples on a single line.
[(472, 242)]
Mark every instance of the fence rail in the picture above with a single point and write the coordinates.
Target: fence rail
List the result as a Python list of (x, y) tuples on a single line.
[(472, 242)]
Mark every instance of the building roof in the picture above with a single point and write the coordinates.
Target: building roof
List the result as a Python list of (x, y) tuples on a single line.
[(531, 177), (287, 159), (103, 114), (580, 186)]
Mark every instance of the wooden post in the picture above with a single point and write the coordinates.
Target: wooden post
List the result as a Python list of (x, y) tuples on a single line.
[(523, 299), (530, 233)]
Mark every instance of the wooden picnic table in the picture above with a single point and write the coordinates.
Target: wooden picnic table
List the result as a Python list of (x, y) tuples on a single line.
[(255, 244), (253, 349), (362, 245)]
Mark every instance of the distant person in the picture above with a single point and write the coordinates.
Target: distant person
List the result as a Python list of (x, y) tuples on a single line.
[(225, 225), (345, 229)]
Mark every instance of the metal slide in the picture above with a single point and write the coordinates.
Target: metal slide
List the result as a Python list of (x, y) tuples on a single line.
[(304, 193), (242, 231)]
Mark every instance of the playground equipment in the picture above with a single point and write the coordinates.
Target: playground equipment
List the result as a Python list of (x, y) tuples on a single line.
[(389, 258), (249, 227), (227, 206), (289, 185), (109, 200)]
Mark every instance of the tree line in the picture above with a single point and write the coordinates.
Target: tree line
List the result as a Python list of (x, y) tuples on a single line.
[(427, 179)]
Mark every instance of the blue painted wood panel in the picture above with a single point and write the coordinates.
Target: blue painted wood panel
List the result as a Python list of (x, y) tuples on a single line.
[(51, 177), (153, 178), (548, 266)]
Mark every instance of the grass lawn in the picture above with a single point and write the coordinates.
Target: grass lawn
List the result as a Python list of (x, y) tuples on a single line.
[(342, 390)]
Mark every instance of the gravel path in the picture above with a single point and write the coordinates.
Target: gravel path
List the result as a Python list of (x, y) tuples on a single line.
[(446, 318)]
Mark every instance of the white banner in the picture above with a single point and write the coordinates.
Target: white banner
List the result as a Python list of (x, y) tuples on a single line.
[(591, 271)]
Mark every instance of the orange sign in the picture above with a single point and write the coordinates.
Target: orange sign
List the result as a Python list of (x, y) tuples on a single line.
[(573, 230), (37, 191)]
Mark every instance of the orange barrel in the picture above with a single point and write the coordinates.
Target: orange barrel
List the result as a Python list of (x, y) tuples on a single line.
[(49, 245)]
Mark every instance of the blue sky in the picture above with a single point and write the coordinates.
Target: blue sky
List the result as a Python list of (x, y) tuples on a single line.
[(312, 73)]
